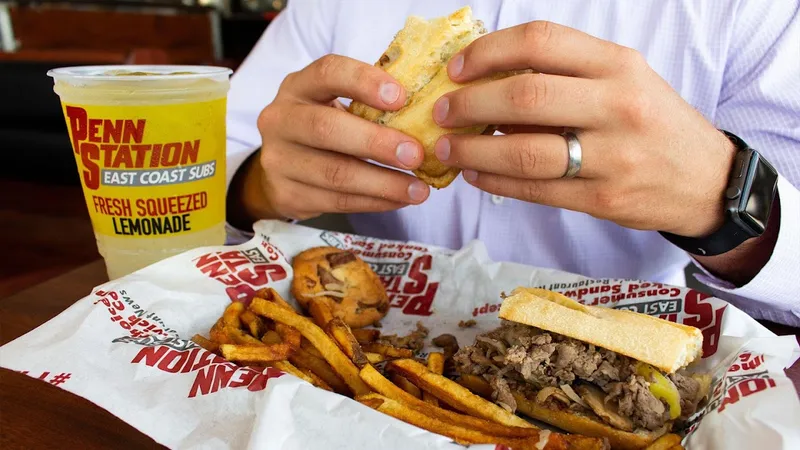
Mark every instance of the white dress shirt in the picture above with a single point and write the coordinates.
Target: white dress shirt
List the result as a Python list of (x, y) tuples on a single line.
[(736, 61)]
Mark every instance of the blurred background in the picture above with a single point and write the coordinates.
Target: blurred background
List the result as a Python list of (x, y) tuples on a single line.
[(38, 35), (44, 226)]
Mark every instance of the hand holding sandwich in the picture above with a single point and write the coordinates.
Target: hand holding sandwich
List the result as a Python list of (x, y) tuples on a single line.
[(650, 161), (313, 155)]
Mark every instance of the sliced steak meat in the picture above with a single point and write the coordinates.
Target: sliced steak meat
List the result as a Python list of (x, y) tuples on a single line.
[(637, 402), (689, 389), (534, 359), (414, 340), (501, 394)]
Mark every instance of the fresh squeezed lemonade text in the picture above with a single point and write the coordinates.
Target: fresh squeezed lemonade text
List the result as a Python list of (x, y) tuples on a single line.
[(151, 159)]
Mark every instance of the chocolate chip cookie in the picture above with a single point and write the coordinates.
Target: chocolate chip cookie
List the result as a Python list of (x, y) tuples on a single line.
[(343, 281)]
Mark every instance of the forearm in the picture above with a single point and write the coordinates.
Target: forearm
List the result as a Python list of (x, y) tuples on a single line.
[(246, 202), (743, 263)]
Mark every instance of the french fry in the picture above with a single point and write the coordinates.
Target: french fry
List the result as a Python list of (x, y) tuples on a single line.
[(330, 351), (207, 344), (307, 346), (253, 323), (255, 353), (665, 442), (475, 384), (374, 358), (316, 380), (406, 385), (305, 360), (435, 365), (454, 394), (271, 337), (366, 335), (271, 295), (288, 335), (383, 386), (543, 440), (286, 366), (231, 315), (341, 333), (387, 350), (320, 312), (239, 337), (218, 333)]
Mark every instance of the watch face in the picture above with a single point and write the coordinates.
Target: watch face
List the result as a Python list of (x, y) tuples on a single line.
[(760, 190)]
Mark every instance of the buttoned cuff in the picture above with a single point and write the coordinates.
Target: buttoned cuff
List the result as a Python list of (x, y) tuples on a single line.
[(774, 293)]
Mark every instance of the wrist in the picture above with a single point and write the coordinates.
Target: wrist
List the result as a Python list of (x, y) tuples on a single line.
[(710, 215), (246, 199)]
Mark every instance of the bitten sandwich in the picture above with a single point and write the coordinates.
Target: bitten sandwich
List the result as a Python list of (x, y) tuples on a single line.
[(417, 58), (589, 370)]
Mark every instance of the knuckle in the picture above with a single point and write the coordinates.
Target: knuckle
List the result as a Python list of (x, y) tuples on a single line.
[(287, 82), (524, 158), (537, 34), (533, 192), (266, 119), (321, 124), (344, 202), (326, 66), (529, 91), (635, 107), (377, 142), (607, 199), (630, 60), (338, 174)]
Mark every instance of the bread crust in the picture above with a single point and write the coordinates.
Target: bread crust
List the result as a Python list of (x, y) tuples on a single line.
[(573, 422), (417, 58), (663, 344)]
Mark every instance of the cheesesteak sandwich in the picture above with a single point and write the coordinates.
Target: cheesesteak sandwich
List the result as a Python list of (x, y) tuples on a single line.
[(588, 370), (417, 58)]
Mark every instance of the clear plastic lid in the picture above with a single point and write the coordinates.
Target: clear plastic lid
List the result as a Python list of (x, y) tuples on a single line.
[(135, 73)]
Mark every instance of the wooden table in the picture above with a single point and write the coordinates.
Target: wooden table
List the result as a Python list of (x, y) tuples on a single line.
[(38, 415)]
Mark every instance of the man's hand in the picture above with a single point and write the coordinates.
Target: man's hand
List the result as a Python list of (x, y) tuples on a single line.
[(314, 154), (650, 161)]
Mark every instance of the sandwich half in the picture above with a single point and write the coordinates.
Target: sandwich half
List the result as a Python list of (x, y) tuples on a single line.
[(417, 58), (589, 370)]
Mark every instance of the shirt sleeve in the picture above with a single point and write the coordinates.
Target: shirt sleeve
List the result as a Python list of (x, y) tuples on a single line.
[(300, 34), (760, 101)]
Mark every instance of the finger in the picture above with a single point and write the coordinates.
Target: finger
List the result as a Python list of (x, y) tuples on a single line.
[(330, 129), (542, 46), (345, 174), (564, 193), (537, 99), (525, 156), (309, 201), (334, 76)]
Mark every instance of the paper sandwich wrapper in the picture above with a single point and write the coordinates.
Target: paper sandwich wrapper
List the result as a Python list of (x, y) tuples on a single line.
[(126, 346)]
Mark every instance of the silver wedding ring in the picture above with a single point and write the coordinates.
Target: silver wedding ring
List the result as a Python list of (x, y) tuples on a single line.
[(574, 155)]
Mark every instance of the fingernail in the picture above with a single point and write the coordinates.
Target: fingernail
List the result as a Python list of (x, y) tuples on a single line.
[(471, 176), (456, 65), (389, 92), (440, 109), (407, 153), (442, 149), (417, 191)]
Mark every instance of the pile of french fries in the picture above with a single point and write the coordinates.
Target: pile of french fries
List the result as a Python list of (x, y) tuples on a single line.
[(327, 353)]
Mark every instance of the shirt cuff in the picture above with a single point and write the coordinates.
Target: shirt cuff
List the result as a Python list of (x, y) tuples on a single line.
[(774, 293), (237, 154)]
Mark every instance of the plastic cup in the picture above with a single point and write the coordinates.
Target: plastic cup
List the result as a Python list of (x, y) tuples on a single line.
[(149, 142)]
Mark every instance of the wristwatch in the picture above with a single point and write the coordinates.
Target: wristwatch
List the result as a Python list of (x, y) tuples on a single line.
[(751, 190)]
